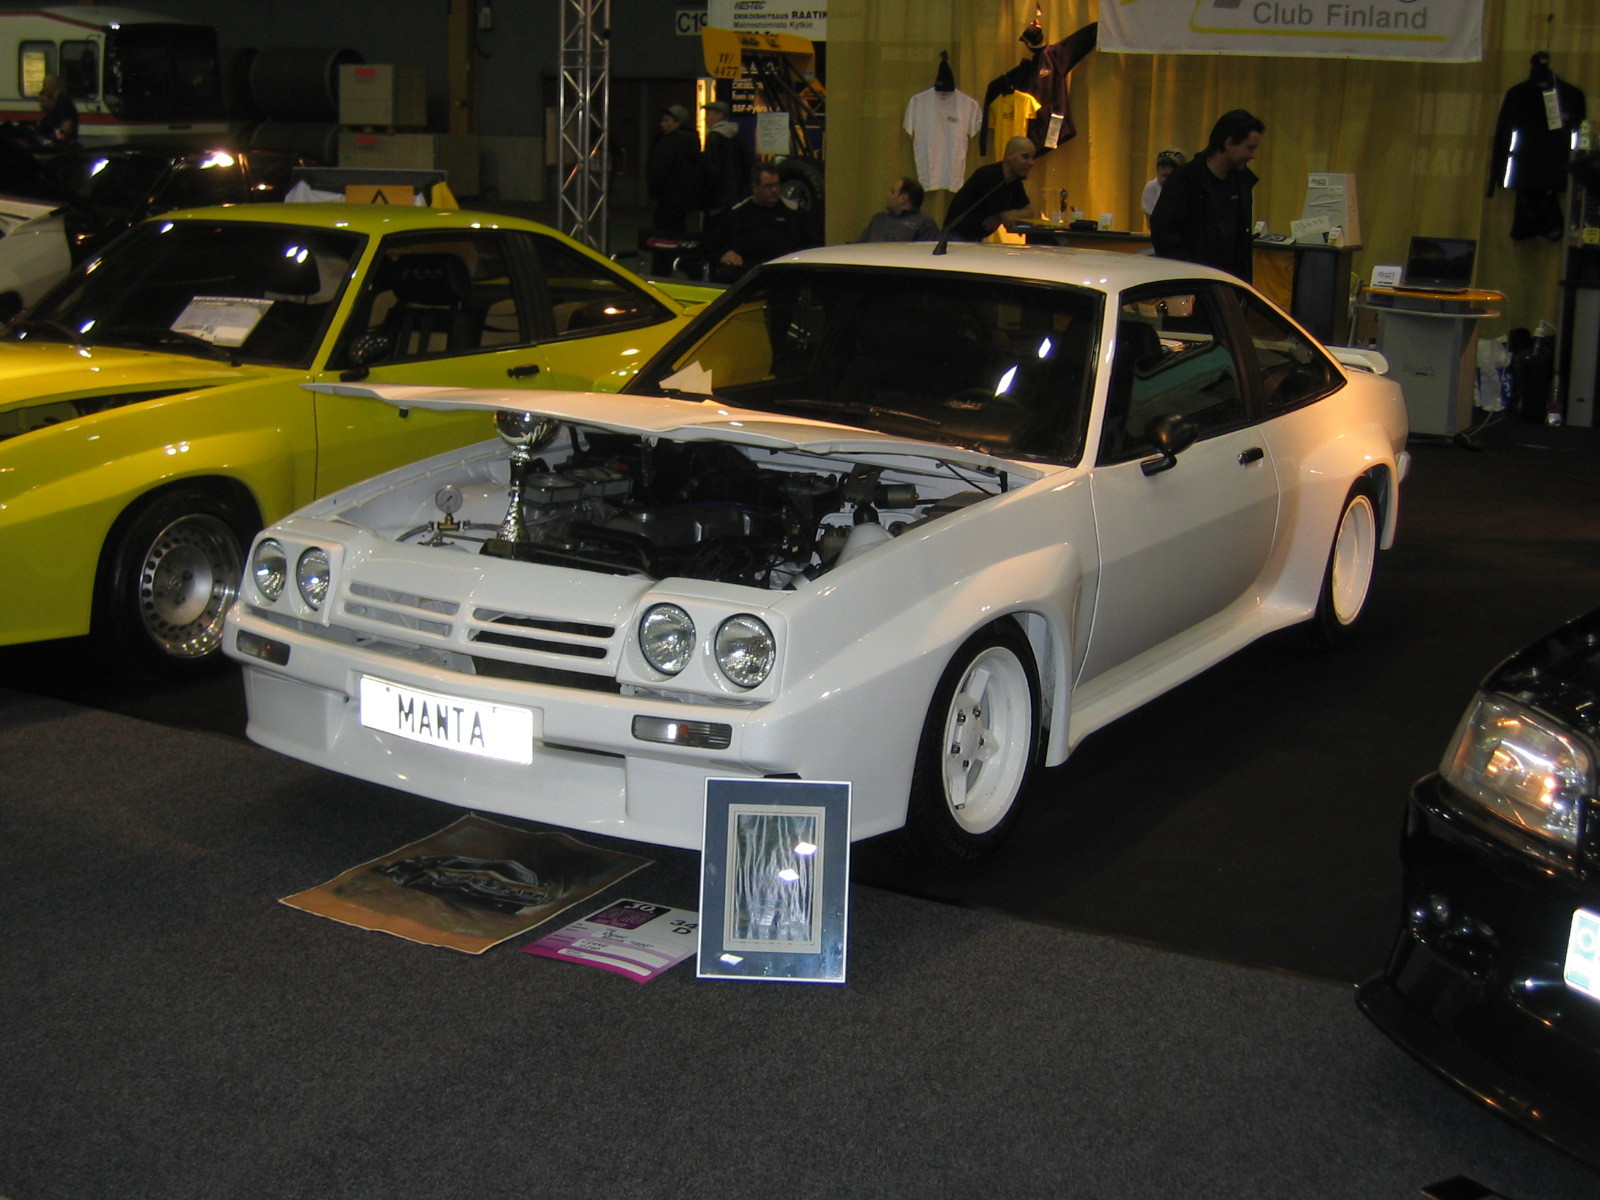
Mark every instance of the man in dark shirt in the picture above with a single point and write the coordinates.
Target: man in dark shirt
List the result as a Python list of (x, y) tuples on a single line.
[(902, 218), (58, 126), (1204, 212), (993, 195), (758, 228)]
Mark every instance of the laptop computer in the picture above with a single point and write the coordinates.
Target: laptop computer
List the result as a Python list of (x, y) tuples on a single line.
[(1435, 264)]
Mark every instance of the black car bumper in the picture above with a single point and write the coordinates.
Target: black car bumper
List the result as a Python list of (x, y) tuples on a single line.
[(1474, 989)]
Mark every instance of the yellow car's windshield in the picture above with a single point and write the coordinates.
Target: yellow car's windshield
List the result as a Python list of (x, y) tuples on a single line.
[(230, 290)]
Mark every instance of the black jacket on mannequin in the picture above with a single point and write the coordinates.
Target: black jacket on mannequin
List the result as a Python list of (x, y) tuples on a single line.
[(1529, 156), (1540, 159)]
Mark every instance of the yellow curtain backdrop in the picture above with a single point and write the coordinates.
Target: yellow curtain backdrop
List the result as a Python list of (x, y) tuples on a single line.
[(1417, 136)]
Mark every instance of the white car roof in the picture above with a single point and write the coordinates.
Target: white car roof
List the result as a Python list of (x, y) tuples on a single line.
[(1106, 271)]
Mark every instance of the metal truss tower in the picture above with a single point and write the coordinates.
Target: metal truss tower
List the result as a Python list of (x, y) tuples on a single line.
[(583, 112)]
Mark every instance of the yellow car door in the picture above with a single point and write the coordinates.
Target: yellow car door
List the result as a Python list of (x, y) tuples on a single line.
[(481, 308)]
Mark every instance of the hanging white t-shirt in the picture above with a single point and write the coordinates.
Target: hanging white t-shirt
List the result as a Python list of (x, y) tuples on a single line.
[(941, 124)]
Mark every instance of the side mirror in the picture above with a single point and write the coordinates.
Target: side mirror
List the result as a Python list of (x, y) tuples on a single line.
[(1171, 434), (365, 350)]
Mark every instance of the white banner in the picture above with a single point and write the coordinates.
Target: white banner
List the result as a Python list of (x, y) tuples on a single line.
[(1417, 30), (770, 16)]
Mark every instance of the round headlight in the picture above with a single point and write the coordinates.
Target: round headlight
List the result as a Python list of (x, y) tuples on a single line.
[(270, 568), (311, 573), (666, 636), (745, 650)]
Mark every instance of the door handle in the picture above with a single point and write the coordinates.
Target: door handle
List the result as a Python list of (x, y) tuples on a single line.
[(526, 371), (1254, 454)]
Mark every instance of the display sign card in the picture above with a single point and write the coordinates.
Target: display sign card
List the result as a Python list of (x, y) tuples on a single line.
[(1387, 276), (630, 937), (775, 880), (1310, 229), (221, 320)]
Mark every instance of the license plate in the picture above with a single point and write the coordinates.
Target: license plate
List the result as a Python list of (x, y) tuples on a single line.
[(1582, 971), (499, 731)]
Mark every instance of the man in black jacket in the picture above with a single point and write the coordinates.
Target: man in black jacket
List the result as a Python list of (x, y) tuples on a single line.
[(672, 174), (1204, 213), (758, 228)]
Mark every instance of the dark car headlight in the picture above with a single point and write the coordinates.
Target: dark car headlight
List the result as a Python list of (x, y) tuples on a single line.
[(1522, 768)]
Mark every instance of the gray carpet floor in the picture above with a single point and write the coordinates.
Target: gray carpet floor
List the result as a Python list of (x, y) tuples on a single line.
[(169, 1030)]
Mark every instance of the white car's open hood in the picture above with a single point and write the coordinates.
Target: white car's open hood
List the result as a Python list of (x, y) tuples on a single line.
[(682, 421)]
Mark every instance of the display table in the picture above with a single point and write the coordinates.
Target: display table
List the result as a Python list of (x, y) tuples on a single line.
[(1309, 282), (1430, 340)]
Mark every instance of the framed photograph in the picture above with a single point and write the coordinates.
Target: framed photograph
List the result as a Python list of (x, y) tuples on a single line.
[(775, 880)]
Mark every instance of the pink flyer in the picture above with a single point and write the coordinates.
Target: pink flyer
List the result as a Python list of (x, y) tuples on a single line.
[(629, 937)]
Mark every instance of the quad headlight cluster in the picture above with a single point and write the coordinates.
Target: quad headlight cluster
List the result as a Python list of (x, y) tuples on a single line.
[(269, 567), (743, 646), (1512, 763)]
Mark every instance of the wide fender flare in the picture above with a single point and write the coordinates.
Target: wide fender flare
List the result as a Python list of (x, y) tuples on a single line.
[(1313, 503), (889, 646)]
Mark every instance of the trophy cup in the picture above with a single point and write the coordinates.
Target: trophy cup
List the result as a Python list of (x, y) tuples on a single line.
[(524, 432)]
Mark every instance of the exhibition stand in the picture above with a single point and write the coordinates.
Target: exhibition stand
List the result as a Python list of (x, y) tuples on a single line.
[(1430, 340)]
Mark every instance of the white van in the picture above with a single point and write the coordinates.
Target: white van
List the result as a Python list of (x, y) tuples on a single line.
[(134, 76)]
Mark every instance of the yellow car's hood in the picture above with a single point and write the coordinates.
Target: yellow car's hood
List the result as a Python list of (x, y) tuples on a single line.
[(31, 374)]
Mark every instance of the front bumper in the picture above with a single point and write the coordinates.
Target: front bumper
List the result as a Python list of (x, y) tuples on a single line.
[(1474, 989), (590, 771)]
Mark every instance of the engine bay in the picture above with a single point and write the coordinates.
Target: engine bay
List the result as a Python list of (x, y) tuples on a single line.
[(707, 510)]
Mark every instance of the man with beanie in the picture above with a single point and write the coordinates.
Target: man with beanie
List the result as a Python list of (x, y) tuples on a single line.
[(727, 163), (672, 175)]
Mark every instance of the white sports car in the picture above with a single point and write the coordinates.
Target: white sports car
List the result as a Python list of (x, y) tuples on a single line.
[(911, 520)]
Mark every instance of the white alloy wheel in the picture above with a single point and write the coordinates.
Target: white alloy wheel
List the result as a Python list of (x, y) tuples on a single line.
[(1355, 554), (977, 752), (1352, 562), (988, 740)]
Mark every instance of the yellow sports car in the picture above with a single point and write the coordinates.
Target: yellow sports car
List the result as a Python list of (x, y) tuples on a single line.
[(152, 413)]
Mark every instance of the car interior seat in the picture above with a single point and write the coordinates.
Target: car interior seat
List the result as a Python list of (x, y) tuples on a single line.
[(432, 311)]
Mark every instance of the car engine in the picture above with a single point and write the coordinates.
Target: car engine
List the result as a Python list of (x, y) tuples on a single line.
[(700, 510)]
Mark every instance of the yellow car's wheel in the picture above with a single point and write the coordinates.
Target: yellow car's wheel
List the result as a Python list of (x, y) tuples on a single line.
[(168, 577)]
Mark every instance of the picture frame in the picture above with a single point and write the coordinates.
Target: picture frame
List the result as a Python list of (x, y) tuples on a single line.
[(775, 880)]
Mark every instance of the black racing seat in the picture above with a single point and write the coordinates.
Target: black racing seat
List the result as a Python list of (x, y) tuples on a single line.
[(432, 310)]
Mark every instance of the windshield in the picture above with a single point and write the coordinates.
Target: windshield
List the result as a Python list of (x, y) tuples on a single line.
[(231, 290), (969, 360)]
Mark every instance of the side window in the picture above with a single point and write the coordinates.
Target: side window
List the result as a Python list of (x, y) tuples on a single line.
[(1169, 358), (35, 60), (430, 296), (80, 70), (1293, 369), (584, 296)]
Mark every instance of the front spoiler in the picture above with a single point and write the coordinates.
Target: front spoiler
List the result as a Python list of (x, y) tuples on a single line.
[(1458, 1064)]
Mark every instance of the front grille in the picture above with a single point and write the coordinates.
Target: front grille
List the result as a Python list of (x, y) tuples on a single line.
[(570, 638), (504, 643)]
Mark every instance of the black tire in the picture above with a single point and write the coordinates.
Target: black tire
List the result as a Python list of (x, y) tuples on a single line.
[(168, 574), (979, 747), (1352, 562)]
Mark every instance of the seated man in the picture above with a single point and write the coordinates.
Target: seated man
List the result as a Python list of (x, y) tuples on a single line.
[(758, 228), (902, 218)]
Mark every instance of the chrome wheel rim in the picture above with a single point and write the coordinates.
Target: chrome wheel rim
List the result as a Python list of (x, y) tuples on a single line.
[(987, 740), (188, 580)]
